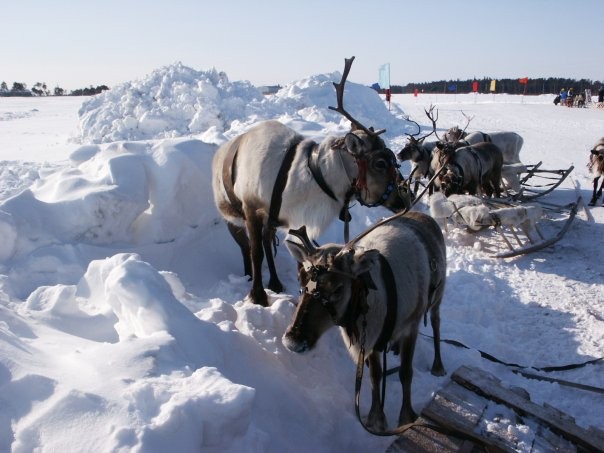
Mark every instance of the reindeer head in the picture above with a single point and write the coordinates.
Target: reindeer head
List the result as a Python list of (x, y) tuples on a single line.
[(413, 148), (454, 134), (444, 152), (334, 281), (596, 159), (451, 181), (377, 178)]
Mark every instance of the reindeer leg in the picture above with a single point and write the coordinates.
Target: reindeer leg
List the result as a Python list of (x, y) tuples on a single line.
[(594, 196), (254, 226), (437, 365), (242, 240), (376, 418), (599, 194), (274, 284), (407, 414)]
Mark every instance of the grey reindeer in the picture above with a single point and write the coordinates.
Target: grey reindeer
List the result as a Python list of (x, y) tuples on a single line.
[(376, 289), (272, 177)]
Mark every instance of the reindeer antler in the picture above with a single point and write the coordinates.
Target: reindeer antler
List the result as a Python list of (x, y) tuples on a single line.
[(301, 234), (419, 129), (340, 99), (468, 120), (430, 115)]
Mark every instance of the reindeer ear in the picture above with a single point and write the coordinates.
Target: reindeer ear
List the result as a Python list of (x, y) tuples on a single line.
[(354, 144), (364, 261), (297, 250)]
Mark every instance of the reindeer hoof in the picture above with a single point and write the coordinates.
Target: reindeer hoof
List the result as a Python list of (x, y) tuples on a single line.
[(407, 416), (376, 421), (438, 371), (276, 287), (259, 298)]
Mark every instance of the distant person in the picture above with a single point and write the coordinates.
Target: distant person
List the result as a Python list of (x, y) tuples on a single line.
[(570, 97), (563, 96), (601, 94)]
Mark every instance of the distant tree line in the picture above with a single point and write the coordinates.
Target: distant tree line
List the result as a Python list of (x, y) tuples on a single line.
[(510, 86), (41, 89)]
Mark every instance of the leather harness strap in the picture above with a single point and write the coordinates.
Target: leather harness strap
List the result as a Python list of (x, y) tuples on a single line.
[(313, 165), (392, 301), (281, 182)]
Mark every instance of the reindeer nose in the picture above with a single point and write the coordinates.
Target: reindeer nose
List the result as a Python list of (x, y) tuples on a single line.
[(295, 345)]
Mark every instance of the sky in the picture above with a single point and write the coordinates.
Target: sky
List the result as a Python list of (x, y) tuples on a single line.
[(75, 45)]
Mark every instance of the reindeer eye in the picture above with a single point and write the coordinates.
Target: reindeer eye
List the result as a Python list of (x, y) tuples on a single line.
[(380, 164), (336, 294)]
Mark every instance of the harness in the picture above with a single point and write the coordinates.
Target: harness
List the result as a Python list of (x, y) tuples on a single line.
[(280, 183), (360, 182), (459, 180)]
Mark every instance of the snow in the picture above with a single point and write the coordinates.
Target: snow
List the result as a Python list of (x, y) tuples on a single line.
[(122, 321)]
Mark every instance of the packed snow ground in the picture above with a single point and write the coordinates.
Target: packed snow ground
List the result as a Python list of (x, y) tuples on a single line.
[(122, 325)]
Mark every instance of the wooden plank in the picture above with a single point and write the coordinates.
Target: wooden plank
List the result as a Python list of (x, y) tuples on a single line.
[(489, 386), (545, 440), (460, 409), (426, 440)]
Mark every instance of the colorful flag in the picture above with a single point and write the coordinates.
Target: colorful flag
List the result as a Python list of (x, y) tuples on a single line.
[(493, 85), (452, 87), (384, 76), (523, 81), (475, 86)]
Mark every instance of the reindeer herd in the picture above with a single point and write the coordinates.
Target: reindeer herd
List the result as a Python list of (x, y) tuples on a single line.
[(378, 286)]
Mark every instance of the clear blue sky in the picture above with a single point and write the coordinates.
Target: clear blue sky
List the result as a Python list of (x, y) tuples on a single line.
[(75, 44)]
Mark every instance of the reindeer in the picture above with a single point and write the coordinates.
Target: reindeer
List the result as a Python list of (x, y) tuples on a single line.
[(467, 168), (420, 153), (376, 289), (470, 169), (271, 177), (509, 143), (596, 167)]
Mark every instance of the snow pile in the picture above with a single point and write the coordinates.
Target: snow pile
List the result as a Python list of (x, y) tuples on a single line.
[(170, 102), (123, 192), (179, 101)]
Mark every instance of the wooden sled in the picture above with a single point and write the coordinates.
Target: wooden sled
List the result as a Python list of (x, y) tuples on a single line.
[(520, 226), (494, 418), (536, 181)]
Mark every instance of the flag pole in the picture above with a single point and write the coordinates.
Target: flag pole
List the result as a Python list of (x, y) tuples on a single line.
[(389, 87)]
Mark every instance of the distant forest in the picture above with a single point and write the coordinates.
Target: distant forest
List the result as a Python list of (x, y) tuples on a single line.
[(551, 85), (41, 89)]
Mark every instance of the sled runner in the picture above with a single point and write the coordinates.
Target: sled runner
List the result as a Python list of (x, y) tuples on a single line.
[(522, 227), (536, 181)]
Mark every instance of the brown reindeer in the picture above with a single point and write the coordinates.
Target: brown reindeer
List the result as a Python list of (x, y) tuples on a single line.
[(272, 177), (596, 167), (471, 169), (419, 153), (376, 289)]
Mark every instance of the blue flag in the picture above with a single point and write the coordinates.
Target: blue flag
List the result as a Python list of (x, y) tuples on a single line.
[(384, 76), (452, 87)]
